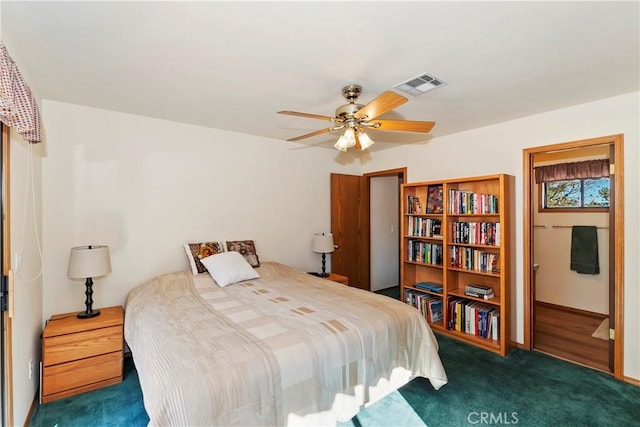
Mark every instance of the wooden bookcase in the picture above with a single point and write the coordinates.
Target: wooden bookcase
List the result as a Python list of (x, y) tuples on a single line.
[(470, 246)]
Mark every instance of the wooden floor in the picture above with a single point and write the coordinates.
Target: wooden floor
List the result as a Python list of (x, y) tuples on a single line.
[(567, 334)]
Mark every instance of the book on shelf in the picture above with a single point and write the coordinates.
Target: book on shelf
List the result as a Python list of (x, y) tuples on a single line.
[(434, 309), (429, 306), (424, 227), (429, 286), (473, 318), (413, 205), (434, 199), (479, 295), (479, 289), (424, 252)]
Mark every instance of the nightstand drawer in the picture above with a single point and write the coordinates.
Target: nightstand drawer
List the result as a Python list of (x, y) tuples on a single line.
[(80, 345), (71, 375)]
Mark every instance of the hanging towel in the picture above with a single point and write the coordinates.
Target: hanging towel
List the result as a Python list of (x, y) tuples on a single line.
[(584, 249)]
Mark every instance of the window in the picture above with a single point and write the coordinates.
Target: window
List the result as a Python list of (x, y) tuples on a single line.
[(586, 193)]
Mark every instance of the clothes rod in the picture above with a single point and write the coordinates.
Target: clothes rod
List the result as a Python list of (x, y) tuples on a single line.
[(564, 226)]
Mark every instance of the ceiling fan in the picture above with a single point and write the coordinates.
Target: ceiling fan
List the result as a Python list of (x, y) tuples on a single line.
[(356, 118)]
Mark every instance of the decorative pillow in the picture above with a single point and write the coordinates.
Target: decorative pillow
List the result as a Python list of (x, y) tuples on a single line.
[(197, 251), (247, 249), (228, 268)]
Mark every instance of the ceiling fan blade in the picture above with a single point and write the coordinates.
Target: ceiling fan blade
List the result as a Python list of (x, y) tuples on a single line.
[(309, 135), (405, 125), (382, 104), (307, 115)]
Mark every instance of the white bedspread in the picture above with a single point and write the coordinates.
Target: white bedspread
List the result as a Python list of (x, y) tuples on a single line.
[(287, 348)]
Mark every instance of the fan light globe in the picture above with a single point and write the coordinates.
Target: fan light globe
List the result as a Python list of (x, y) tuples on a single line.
[(347, 140), (365, 141)]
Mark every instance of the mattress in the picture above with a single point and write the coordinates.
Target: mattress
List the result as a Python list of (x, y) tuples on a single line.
[(287, 348)]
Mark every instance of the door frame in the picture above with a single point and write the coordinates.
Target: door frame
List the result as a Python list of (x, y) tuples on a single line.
[(7, 328), (616, 265), (363, 236), (401, 174)]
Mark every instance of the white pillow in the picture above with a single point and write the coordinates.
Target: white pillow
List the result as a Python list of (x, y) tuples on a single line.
[(228, 268)]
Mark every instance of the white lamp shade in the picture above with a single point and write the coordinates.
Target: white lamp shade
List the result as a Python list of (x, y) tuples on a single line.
[(322, 243), (89, 261)]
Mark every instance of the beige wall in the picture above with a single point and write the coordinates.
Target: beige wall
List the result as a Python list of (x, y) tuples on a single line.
[(26, 227), (145, 187), (498, 149)]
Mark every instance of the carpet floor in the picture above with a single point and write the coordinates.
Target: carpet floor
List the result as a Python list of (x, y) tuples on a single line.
[(524, 388)]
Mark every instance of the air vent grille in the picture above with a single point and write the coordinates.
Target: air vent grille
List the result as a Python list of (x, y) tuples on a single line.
[(421, 84)]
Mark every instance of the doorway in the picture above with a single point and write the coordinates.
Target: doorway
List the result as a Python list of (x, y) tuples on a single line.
[(351, 224), (562, 320)]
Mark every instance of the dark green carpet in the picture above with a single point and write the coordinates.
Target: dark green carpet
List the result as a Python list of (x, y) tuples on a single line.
[(393, 292), (116, 405), (524, 388)]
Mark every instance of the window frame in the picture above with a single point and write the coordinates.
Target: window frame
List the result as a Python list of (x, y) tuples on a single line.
[(543, 208)]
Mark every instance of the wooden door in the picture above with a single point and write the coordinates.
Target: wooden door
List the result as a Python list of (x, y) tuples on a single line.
[(350, 228)]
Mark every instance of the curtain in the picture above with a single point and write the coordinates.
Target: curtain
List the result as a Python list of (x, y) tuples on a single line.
[(18, 108), (577, 170)]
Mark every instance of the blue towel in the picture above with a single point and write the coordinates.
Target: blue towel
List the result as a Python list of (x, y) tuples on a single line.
[(584, 249)]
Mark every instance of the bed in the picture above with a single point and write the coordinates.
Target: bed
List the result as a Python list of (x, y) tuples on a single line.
[(287, 348)]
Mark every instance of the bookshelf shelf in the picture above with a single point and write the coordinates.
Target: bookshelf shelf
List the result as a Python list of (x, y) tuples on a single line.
[(480, 273), (460, 293), (473, 224)]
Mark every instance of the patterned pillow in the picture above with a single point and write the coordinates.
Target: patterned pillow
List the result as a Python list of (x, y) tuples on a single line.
[(247, 249), (197, 251)]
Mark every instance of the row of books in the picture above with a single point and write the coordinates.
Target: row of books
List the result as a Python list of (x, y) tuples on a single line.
[(429, 306), (428, 253), (476, 233), (473, 318), (414, 206), (474, 259), (424, 227), (464, 202)]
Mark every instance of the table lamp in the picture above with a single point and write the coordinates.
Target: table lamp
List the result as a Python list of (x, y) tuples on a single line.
[(323, 244), (87, 262)]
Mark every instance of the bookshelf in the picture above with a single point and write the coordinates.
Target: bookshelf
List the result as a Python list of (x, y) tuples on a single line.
[(456, 233)]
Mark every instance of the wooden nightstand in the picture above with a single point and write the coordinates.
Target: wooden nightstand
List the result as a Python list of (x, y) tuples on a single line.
[(80, 355), (335, 277)]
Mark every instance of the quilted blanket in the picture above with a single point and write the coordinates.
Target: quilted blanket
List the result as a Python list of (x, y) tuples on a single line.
[(287, 348)]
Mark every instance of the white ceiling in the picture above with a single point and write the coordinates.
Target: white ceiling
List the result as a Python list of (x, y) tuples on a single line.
[(233, 65)]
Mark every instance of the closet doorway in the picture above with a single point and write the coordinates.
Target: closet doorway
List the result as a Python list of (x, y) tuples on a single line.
[(574, 315)]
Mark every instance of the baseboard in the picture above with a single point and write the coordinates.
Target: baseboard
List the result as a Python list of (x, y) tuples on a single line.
[(632, 381), (572, 310), (34, 403)]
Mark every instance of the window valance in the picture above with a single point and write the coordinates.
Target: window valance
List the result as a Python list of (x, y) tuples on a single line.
[(576, 170), (18, 108)]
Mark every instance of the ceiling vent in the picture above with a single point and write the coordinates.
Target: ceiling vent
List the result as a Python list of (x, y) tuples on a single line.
[(420, 84)]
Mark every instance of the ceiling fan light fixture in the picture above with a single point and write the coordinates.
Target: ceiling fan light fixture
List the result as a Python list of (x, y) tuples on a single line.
[(365, 141), (356, 118), (347, 140)]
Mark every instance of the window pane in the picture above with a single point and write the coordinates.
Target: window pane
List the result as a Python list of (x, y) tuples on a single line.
[(596, 192), (563, 194)]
